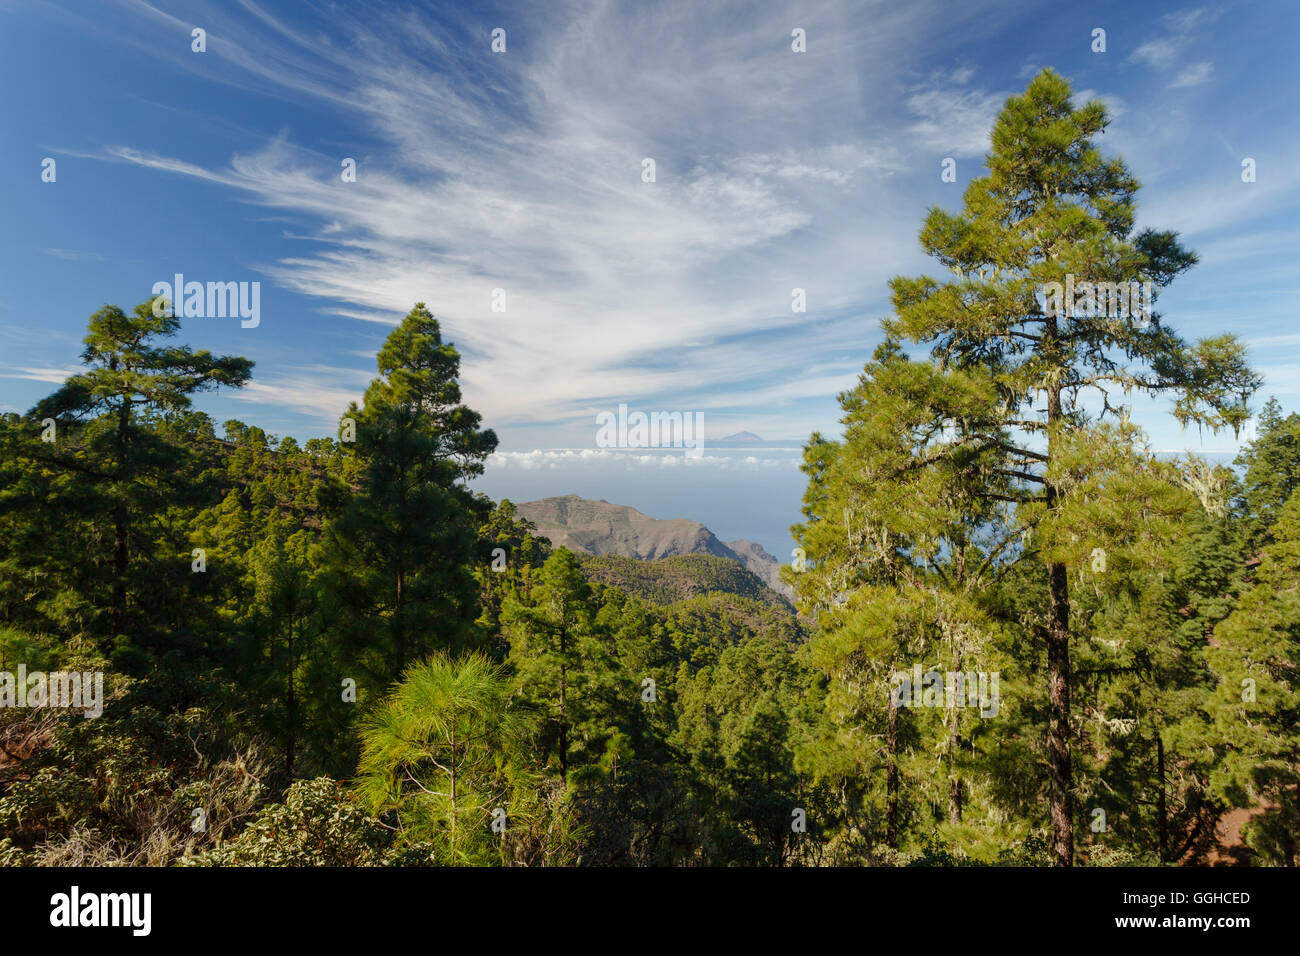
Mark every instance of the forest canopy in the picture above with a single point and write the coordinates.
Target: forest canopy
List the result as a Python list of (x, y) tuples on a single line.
[(336, 652)]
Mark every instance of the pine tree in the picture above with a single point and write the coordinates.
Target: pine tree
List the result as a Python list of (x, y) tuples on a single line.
[(435, 756), (113, 457), (1053, 210), (1254, 710), (1271, 465), (402, 552), (905, 527), (510, 551), (563, 665)]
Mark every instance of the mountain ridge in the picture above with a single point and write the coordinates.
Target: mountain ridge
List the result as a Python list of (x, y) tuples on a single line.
[(602, 528)]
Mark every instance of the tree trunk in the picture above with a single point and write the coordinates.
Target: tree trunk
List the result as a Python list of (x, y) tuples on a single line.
[(1058, 721), (564, 727), (289, 750), (399, 627), (1058, 673), (891, 779), (954, 743), (1160, 797), (121, 560), (954, 787), (121, 555)]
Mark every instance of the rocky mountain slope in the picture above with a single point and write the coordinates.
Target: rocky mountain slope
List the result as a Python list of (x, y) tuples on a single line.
[(601, 528)]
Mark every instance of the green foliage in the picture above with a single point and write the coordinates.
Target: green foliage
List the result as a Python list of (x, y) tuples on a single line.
[(123, 789), (1052, 210), (319, 824), (677, 578), (117, 473), (509, 552), (988, 509), (400, 555), (437, 767), (1255, 708), (563, 668), (1272, 471), (740, 720)]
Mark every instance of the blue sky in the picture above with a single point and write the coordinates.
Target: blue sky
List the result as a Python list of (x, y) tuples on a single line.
[(522, 171)]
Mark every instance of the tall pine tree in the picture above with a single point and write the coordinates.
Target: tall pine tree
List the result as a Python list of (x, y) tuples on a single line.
[(403, 551), (1052, 210)]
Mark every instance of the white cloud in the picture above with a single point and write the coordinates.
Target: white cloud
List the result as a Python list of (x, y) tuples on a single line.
[(51, 374), (1193, 75), (1169, 51), (1218, 199), (320, 393), (523, 172), (72, 255), (955, 122), (1159, 53), (553, 458)]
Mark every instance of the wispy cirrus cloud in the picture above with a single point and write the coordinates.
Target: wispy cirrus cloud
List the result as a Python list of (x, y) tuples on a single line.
[(523, 172), (320, 393), (1193, 75), (1169, 52), (539, 459), (954, 119), (54, 375), (71, 255)]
